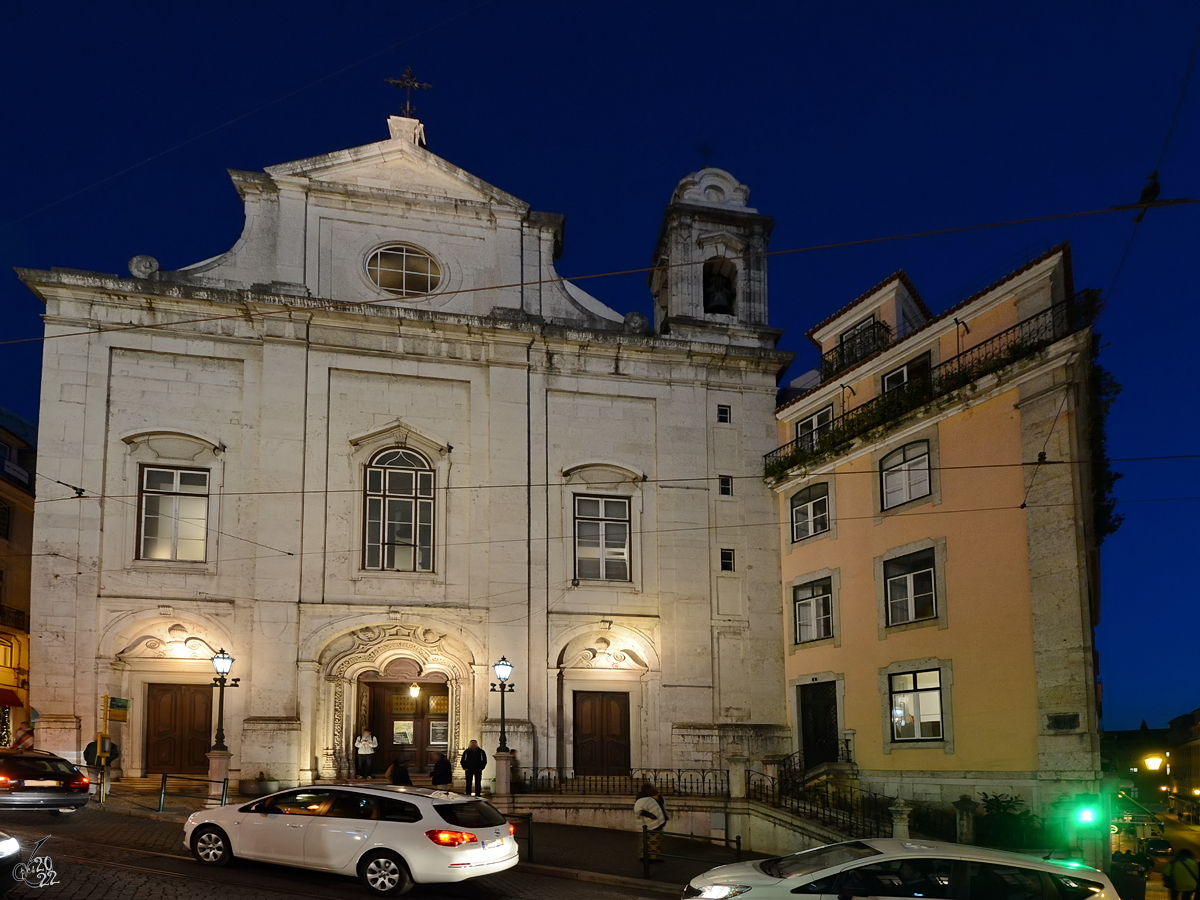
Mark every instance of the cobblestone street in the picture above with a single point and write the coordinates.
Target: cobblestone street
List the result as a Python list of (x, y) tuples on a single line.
[(99, 855)]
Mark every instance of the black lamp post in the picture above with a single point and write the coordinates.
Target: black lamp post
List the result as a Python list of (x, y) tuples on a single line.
[(503, 670), (222, 662)]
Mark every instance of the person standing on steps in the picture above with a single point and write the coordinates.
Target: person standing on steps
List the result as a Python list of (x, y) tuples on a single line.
[(473, 761), (364, 753), (440, 774)]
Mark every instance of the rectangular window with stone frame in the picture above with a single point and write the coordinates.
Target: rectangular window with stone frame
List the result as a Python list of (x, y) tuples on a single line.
[(173, 514), (911, 587), (810, 511), (916, 703), (810, 428), (602, 538), (813, 604)]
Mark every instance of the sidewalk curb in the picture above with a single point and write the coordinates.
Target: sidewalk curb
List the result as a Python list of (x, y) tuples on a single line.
[(640, 884)]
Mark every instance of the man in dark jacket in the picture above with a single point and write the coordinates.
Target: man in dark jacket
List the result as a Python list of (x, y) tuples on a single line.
[(473, 761), (440, 774)]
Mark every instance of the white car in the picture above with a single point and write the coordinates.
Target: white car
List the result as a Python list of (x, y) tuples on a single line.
[(390, 837), (903, 868)]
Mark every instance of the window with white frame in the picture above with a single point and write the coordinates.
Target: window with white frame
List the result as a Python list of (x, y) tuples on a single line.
[(602, 538), (814, 610), (724, 413), (916, 699), (904, 474), (399, 512), (810, 428), (725, 485), (174, 514), (810, 511), (727, 558), (913, 370), (911, 588)]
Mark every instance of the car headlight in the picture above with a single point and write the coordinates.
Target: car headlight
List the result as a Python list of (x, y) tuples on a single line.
[(721, 891), (9, 846)]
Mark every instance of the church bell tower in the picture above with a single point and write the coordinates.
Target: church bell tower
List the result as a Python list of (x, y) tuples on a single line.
[(710, 277)]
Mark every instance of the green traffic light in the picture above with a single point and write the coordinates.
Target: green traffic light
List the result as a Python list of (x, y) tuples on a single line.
[(1087, 816)]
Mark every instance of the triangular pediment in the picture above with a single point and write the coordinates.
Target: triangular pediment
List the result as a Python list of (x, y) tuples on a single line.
[(397, 165), (401, 434)]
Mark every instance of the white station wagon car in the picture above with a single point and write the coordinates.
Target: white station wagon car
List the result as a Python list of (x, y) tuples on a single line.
[(903, 868), (390, 837)]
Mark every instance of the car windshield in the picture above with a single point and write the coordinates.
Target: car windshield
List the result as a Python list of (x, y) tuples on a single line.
[(808, 861), (475, 814), (37, 767)]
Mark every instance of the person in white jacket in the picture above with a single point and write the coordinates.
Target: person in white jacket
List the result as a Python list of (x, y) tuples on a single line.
[(649, 811), (364, 756)]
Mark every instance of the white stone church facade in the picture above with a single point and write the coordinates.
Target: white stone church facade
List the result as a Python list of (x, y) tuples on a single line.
[(380, 443)]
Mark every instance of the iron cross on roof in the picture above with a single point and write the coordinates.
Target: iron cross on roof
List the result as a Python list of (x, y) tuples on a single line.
[(408, 83)]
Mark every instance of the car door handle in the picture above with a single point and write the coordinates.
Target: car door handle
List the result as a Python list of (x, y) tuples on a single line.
[(294, 825)]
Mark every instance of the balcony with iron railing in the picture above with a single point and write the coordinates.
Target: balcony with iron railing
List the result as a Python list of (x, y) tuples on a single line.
[(854, 348), (14, 618), (1019, 342)]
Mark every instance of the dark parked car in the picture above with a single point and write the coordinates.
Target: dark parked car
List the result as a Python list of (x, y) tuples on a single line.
[(37, 779), (1158, 846)]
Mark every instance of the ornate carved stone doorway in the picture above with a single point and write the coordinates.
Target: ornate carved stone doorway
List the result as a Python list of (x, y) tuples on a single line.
[(367, 673)]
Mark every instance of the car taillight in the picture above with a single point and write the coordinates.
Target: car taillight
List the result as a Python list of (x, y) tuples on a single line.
[(512, 829), (80, 781), (451, 838), (4, 779)]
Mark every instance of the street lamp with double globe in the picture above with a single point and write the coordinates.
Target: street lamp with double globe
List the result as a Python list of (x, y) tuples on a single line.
[(222, 662), (503, 670)]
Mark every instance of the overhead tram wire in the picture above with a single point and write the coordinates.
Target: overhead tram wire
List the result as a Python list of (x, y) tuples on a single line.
[(1187, 78), (354, 305), (96, 495), (773, 523)]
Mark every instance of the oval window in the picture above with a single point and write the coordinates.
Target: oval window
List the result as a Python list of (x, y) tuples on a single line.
[(404, 270)]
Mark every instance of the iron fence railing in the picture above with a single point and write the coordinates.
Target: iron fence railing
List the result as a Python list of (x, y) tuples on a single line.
[(14, 618), (680, 782), (854, 348), (852, 811), (1022, 340)]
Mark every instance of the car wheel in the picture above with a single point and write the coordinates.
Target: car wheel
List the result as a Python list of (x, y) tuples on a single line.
[(385, 874), (210, 846)]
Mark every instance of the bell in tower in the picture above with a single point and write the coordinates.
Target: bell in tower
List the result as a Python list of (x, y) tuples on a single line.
[(710, 277)]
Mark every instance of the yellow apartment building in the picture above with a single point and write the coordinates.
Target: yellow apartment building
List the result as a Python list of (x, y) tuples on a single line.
[(17, 440), (941, 524)]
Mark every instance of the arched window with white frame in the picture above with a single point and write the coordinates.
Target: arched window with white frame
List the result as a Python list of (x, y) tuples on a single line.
[(398, 512)]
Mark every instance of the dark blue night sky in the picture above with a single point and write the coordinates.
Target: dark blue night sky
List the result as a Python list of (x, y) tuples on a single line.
[(847, 121)]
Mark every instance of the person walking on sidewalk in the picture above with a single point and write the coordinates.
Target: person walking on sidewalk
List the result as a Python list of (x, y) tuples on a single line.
[(440, 775), (649, 811), (1181, 875), (473, 761), (364, 753)]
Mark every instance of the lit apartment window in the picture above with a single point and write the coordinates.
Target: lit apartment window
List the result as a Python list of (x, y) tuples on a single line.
[(174, 514), (810, 428), (911, 593), (916, 699), (725, 485), (904, 474), (399, 512), (726, 560), (814, 610), (602, 538), (810, 511), (913, 370), (724, 413)]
